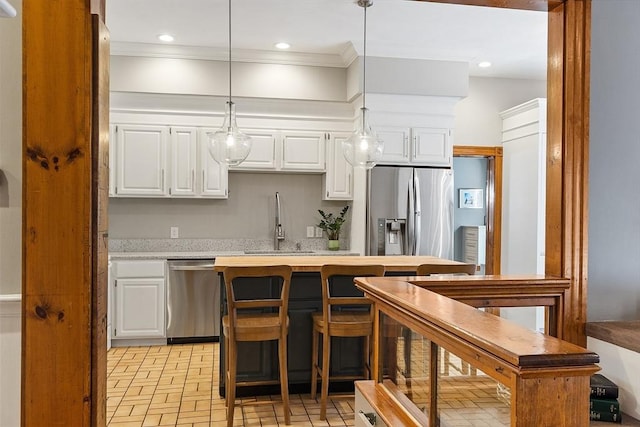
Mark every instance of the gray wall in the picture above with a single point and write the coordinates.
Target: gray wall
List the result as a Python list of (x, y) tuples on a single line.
[(614, 205), (469, 172), (249, 212), (10, 152)]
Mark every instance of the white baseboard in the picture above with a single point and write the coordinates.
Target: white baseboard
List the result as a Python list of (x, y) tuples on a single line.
[(621, 366), (10, 338)]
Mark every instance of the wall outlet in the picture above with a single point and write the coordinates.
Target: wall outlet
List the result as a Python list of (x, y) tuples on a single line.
[(174, 233), (310, 231), (318, 232)]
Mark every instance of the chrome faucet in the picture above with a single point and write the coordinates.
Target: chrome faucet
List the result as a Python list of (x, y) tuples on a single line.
[(278, 234)]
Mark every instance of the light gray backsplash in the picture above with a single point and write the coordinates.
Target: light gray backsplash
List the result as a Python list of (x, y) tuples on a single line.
[(248, 213)]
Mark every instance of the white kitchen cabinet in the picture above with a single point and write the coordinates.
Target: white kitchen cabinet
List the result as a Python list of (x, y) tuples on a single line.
[(141, 160), (303, 151), (417, 146), (431, 147), (213, 177), (112, 160), (264, 153), (285, 150), (396, 144), (184, 149), (139, 294), (338, 181), (109, 305)]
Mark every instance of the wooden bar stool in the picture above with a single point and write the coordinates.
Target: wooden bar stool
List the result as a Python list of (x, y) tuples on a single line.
[(255, 325), (337, 320)]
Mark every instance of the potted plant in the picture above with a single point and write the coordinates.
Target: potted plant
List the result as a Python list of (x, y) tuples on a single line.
[(331, 225)]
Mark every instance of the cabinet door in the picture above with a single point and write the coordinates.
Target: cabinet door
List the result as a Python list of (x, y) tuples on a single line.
[(264, 151), (112, 160), (141, 160), (213, 176), (183, 161), (432, 147), (338, 181), (140, 308), (396, 145), (303, 151)]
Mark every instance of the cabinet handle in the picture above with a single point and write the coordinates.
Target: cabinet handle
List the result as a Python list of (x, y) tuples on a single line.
[(193, 178), (203, 180), (162, 179)]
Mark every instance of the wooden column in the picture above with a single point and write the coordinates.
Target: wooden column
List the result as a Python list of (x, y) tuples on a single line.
[(568, 157), (65, 135)]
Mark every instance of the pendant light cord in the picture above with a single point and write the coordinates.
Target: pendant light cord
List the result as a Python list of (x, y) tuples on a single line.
[(229, 51), (364, 61)]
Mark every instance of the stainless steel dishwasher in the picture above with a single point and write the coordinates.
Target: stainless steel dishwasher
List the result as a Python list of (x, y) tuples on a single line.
[(193, 301)]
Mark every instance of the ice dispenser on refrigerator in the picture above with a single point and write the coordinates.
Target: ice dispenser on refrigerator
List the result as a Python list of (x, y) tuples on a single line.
[(392, 235)]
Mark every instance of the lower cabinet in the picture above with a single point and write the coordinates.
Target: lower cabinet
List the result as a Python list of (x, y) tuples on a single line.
[(139, 299)]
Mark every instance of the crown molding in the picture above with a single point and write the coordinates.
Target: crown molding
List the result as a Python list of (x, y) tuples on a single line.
[(154, 50)]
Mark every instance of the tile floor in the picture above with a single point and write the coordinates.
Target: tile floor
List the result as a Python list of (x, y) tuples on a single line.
[(178, 386)]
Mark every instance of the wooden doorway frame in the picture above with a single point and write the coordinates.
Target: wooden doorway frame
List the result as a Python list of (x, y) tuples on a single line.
[(63, 285), (494, 200)]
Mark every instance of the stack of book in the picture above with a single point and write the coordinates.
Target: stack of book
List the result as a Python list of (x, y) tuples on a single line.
[(604, 405)]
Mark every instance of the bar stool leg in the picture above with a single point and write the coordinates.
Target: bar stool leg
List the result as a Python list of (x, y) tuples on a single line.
[(326, 352), (284, 379), (314, 363), (231, 384)]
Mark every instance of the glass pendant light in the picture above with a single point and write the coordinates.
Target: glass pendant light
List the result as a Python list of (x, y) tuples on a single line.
[(229, 145), (363, 148)]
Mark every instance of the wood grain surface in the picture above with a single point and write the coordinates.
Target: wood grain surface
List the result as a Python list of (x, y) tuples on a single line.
[(314, 263), (623, 334), (512, 343)]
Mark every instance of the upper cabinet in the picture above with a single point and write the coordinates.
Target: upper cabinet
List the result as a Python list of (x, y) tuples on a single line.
[(338, 182), (212, 175), (285, 150), (184, 154), (161, 161), (303, 151), (419, 146), (141, 160)]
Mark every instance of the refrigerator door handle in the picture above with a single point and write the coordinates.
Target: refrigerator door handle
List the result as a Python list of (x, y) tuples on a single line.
[(410, 241), (417, 212)]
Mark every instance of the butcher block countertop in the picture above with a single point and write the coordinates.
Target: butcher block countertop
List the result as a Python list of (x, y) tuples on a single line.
[(313, 263)]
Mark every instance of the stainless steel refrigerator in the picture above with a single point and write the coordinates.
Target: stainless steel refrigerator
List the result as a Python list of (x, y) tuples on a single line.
[(410, 211)]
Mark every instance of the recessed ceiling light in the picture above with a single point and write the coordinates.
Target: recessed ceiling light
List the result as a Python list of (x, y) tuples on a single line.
[(283, 45), (484, 64), (165, 37)]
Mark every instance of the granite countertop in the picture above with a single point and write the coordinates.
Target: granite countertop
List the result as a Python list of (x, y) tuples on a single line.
[(153, 255), (158, 249)]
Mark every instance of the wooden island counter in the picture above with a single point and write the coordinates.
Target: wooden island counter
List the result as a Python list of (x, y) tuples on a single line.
[(312, 263), (258, 361)]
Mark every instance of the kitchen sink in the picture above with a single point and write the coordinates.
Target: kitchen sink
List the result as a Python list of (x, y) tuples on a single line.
[(274, 252)]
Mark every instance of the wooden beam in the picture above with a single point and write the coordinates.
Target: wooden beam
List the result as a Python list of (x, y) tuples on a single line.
[(63, 302), (568, 157)]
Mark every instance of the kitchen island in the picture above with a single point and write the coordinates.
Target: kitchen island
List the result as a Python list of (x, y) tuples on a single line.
[(257, 361)]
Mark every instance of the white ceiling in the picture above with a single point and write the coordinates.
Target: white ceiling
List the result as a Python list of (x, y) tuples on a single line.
[(330, 32)]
